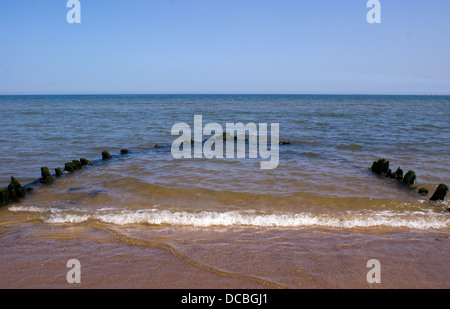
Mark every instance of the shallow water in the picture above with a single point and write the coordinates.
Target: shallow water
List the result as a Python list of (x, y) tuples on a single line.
[(321, 206)]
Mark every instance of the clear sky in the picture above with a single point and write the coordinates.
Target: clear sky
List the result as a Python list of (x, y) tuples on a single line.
[(224, 46)]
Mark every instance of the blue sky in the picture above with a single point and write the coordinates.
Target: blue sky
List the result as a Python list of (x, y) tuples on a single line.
[(224, 46)]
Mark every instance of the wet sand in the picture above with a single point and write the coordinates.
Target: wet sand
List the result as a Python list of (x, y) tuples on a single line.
[(34, 255)]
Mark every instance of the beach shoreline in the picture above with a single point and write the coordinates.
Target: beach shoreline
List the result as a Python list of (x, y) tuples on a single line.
[(143, 219), (35, 254)]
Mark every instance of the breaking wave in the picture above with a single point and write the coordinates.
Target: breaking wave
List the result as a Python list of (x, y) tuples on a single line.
[(421, 220)]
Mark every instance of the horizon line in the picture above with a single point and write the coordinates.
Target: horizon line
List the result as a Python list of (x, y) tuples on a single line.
[(335, 94)]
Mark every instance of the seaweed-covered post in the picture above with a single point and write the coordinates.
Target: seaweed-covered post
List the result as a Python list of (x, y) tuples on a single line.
[(106, 155), (409, 178), (4, 196), (15, 190), (380, 167), (398, 174), (58, 172), (440, 193), (84, 161), (46, 176), (423, 191), (77, 165), (68, 167)]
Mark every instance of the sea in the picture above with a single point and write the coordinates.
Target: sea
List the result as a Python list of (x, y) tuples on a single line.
[(146, 219)]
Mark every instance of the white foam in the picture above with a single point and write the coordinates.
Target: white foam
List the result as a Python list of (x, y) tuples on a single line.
[(28, 209), (422, 220), (67, 218)]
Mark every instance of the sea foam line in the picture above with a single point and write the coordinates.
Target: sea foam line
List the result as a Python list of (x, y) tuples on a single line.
[(414, 220)]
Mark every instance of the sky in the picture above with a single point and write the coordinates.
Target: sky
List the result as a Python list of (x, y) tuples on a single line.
[(225, 46)]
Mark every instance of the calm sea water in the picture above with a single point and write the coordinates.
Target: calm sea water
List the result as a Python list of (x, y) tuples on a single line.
[(322, 180), (334, 139)]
